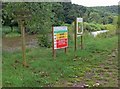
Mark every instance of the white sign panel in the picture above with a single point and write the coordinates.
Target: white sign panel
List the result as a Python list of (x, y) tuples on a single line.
[(79, 26), (79, 19)]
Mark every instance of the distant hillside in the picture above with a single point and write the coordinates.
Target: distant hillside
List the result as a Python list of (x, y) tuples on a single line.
[(107, 9), (59, 13)]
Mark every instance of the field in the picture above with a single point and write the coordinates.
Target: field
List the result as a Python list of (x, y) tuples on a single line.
[(95, 65)]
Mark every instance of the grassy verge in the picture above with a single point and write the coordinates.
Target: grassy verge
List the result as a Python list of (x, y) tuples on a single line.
[(65, 70)]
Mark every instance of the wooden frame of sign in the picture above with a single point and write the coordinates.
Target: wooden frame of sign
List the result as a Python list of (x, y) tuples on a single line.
[(59, 39), (78, 31), (79, 24)]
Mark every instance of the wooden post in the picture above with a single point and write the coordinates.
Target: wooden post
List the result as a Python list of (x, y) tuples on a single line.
[(53, 50), (21, 15), (23, 43), (81, 41), (75, 35), (65, 50)]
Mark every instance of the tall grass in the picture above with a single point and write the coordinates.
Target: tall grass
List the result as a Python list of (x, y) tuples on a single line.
[(43, 70)]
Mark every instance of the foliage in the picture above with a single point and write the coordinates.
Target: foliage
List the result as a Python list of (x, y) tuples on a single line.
[(12, 34), (93, 27), (41, 21), (110, 27), (102, 15), (57, 13), (43, 15), (110, 9), (7, 30), (108, 34), (45, 41)]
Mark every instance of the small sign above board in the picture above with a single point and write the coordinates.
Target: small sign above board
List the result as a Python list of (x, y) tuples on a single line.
[(79, 19), (79, 26)]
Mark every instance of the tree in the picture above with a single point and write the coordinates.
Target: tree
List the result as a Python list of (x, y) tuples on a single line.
[(94, 17)]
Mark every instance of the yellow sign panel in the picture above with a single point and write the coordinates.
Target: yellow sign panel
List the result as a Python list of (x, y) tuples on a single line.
[(61, 36)]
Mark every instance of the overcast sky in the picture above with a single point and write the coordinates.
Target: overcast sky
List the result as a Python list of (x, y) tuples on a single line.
[(90, 3)]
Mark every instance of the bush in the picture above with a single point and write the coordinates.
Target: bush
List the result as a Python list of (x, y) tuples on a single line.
[(102, 27), (6, 30), (16, 30), (110, 27), (110, 33), (12, 34), (45, 40), (95, 27), (103, 35), (86, 26)]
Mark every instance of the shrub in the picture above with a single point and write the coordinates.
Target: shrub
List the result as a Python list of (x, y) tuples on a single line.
[(110, 27), (6, 30), (87, 26), (16, 30), (102, 27), (12, 34), (110, 33), (45, 40)]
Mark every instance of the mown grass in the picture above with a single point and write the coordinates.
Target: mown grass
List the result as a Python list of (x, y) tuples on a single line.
[(43, 70)]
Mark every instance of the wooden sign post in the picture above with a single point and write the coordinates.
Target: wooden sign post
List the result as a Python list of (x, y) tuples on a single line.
[(53, 50), (59, 39), (81, 41), (21, 16), (23, 43), (75, 35)]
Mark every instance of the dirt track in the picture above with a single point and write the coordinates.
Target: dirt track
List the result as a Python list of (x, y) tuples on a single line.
[(104, 75), (12, 44)]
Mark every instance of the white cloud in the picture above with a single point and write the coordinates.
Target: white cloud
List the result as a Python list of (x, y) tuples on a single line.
[(96, 2)]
